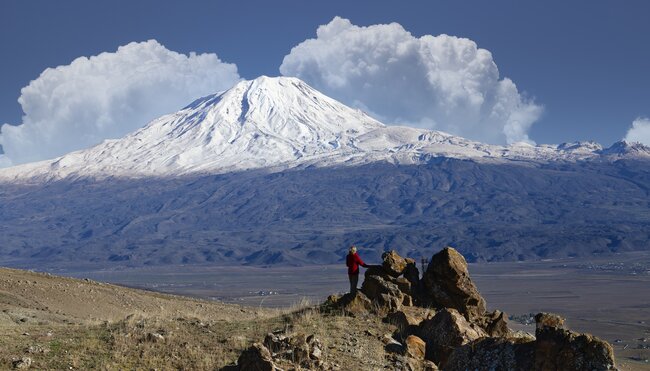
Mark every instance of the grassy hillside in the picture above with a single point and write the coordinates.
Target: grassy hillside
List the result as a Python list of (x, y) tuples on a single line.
[(63, 323)]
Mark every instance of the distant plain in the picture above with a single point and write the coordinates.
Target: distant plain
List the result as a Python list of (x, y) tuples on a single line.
[(609, 297)]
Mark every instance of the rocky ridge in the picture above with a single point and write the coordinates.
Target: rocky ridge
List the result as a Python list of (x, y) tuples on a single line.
[(441, 323)]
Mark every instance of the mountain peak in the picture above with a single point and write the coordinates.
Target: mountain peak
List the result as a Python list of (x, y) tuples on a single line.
[(627, 149)]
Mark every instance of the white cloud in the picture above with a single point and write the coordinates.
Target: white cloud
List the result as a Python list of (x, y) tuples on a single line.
[(106, 96), (438, 82), (640, 131)]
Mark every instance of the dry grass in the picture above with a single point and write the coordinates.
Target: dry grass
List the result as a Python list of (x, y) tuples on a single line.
[(136, 343)]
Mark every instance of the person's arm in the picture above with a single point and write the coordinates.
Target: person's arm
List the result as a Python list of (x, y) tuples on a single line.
[(360, 262)]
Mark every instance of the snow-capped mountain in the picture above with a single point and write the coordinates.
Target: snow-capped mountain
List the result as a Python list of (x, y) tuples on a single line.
[(279, 123), (273, 172)]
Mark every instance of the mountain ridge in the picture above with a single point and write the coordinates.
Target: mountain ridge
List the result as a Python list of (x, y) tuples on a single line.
[(281, 123)]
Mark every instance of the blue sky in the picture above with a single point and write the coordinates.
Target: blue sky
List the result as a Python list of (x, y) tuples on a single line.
[(584, 62)]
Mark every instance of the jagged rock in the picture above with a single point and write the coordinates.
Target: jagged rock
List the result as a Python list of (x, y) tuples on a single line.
[(447, 284), (357, 304), (21, 363), (387, 303), (407, 320), (402, 284), (276, 343), (550, 320), (495, 324), (447, 330), (555, 348), (256, 358), (559, 349), (411, 272), (316, 348), (384, 294), (375, 270), (393, 264), (300, 350), (414, 347), (492, 354)]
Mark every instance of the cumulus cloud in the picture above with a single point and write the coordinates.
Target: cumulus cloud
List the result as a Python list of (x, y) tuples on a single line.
[(438, 82), (640, 131), (107, 96)]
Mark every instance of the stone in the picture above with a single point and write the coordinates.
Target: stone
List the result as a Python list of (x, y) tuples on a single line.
[(300, 349), (276, 343), (387, 303), (393, 346), (411, 272), (414, 347), (256, 358), (393, 264), (492, 354), (447, 284), (402, 284), (406, 323), (375, 270), (385, 295), (316, 349), (495, 324), (357, 304), (21, 363), (560, 349), (548, 320), (447, 330)]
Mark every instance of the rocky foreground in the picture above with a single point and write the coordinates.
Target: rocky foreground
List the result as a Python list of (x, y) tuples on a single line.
[(442, 323), (398, 321)]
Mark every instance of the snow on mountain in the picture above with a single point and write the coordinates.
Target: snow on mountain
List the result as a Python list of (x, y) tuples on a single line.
[(281, 123)]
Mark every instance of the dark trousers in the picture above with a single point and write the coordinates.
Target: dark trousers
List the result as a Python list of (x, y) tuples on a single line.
[(354, 280)]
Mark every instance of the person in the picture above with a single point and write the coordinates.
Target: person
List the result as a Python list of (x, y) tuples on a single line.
[(353, 261)]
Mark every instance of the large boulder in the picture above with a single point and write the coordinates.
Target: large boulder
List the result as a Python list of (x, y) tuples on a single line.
[(385, 295), (447, 330), (559, 349), (256, 358), (493, 354), (355, 305), (447, 284), (393, 263), (548, 320)]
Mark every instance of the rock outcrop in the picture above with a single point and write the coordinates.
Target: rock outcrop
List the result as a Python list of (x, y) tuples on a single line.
[(393, 264), (447, 284), (557, 348), (553, 349), (447, 330), (442, 321), (297, 350), (257, 357)]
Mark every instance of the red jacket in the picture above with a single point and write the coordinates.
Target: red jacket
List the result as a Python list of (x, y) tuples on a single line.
[(353, 261)]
